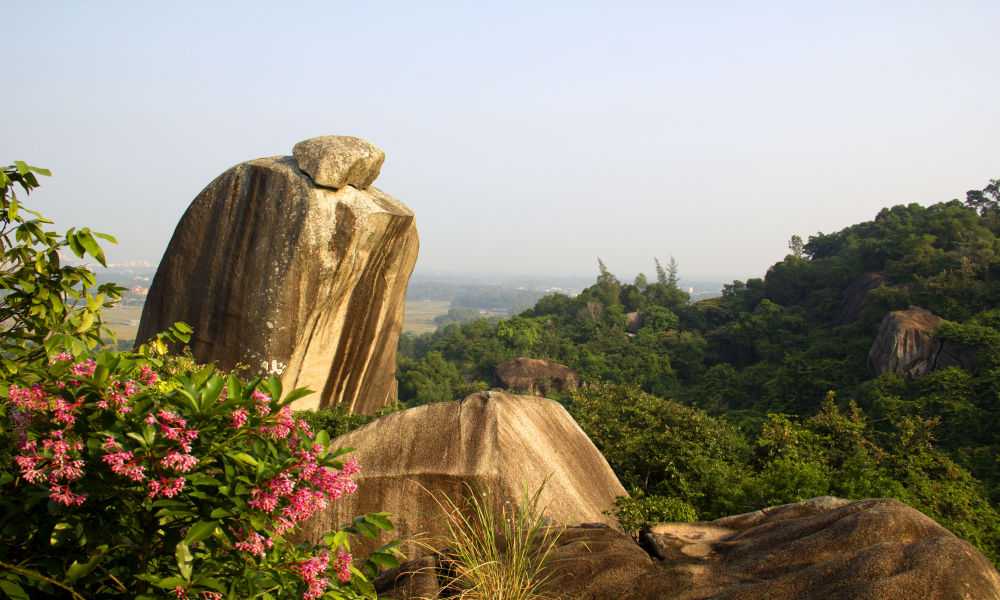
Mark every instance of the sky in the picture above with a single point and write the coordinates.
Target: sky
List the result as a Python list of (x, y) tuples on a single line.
[(528, 137)]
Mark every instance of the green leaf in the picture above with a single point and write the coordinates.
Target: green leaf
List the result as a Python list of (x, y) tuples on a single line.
[(295, 395), (184, 560), (323, 438), (169, 583), (200, 531), (220, 513), (273, 387), (107, 237), (78, 570), (90, 244), (380, 520), (242, 457), (138, 438), (235, 388), (384, 561), (210, 393), (365, 529), (13, 590)]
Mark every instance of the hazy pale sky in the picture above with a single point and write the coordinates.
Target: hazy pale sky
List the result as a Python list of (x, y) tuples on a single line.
[(528, 137)]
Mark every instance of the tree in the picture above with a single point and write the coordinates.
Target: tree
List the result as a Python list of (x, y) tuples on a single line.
[(661, 273), (797, 246), (46, 304), (986, 200), (672, 279)]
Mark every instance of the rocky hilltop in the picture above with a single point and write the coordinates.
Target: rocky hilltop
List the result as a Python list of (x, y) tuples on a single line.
[(297, 262)]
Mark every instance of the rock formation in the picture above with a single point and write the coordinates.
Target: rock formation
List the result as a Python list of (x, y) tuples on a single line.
[(906, 345), (298, 261), (822, 549), (499, 444), (536, 377), (633, 322), (856, 294)]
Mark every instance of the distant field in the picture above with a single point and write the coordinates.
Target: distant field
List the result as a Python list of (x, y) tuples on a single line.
[(420, 315), (124, 320)]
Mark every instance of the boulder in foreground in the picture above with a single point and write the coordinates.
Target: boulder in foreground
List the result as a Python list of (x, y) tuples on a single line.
[(821, 549), (499, 444)]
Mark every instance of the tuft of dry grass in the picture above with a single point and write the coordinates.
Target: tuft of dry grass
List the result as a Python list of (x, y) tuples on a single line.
[(495, 550)]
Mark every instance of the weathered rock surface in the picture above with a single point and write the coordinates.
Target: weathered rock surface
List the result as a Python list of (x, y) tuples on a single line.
[(268, 266), (633, 322), (906, 345), (499, 444), (856, 294), (822, 549), (536, 377), (338, 160)]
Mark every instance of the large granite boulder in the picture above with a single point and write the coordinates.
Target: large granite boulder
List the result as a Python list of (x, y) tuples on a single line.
[(822, 549), (270, 265), (906, 345), (494, 443), (536, 377)]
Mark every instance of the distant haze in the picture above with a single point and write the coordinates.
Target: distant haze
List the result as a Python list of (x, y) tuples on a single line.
[(530, 137)]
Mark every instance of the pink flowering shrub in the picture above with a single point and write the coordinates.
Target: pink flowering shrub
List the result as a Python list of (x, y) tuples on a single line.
[(141, 474), (130, 482)]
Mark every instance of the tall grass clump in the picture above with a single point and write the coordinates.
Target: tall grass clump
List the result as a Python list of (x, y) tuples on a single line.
[(495, 550)]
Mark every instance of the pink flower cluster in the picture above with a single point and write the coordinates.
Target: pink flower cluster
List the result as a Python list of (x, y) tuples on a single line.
[(239, 418), (84, 368), (262, 402), (58, 463), (174, 428), (118, 396), (302, 490), (283, 427), (147, 375), (166, 487), (178, 461), (253, 543), (31, 399), (311, 572), (343, 565), (122, 462)]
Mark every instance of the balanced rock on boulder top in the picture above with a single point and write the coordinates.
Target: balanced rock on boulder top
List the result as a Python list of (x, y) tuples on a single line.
[(338, 160), (270, 267)]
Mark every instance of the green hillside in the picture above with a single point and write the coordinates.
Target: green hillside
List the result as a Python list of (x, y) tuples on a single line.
[(766, 395)]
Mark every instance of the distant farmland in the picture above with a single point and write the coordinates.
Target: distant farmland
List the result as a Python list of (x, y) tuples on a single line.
[(124, 320)]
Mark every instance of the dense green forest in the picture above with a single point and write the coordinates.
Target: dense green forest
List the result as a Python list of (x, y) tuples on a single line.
[(765, 394)]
